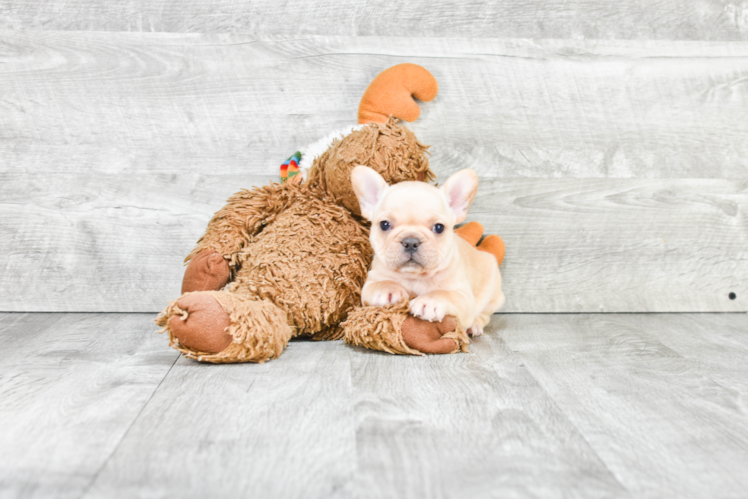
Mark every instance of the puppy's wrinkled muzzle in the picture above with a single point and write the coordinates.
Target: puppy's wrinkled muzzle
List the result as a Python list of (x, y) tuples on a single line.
[(411, 264)]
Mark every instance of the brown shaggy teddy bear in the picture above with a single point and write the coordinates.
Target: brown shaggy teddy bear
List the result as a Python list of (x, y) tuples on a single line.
[(288, 260)]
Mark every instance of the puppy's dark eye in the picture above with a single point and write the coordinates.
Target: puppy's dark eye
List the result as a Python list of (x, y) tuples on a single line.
[(438, 228), (384, 225)]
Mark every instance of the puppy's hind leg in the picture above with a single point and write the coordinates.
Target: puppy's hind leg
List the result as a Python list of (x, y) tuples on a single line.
[(476, 329)]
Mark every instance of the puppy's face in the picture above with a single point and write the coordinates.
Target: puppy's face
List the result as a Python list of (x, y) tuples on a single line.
[(412, 228)]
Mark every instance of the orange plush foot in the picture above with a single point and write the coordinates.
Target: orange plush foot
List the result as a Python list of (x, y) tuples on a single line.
[(204, 328), (471, 232), (392, 92), (208, 270), (494, 245), (426, 336)]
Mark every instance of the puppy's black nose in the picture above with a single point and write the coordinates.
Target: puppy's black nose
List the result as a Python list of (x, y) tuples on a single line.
[(411, 244)]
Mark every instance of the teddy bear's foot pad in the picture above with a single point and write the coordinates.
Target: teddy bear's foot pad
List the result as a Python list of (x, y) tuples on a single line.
[(428, 337), (202, 326), (208, 270)]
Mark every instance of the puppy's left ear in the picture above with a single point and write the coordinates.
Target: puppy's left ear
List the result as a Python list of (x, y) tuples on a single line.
[(369, 187), (460, 190)]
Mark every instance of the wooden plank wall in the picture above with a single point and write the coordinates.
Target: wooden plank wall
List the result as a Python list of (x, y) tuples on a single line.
[(563, 19), (612, 140)]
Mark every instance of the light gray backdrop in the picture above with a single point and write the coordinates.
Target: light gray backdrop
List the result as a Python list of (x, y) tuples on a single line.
[(611, 138)]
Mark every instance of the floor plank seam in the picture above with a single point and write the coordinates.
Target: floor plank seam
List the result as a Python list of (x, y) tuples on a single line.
[(518, 358), (129, 428)]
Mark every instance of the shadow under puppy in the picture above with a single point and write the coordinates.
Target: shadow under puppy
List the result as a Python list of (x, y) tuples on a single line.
[(418, 256)]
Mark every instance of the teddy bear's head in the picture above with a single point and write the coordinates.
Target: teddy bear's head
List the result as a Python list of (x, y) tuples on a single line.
[(390, 149)]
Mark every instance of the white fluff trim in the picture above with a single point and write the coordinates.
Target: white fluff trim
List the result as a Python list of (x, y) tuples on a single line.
[(312, 151)]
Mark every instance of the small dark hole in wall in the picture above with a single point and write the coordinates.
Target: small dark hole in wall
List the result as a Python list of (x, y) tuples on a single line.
[(732, 296)]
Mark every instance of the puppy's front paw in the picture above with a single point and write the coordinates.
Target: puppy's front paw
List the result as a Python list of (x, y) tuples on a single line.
[(388, 295), (428, 308)]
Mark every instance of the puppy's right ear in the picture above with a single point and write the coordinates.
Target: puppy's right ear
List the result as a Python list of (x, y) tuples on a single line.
[(369, 187), (460, 189)]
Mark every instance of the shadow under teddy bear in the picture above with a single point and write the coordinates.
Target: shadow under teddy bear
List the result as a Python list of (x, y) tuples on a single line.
[(289, 260)]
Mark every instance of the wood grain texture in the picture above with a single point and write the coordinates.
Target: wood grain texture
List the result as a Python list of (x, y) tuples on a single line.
[(717, 348), (665, 423), (472, 426), (105, 242), (282, 429), (615, 245), (643, 405), (116, 148), (327, 420), (601, 19), (71, 386), (172, 103), (116, 243)]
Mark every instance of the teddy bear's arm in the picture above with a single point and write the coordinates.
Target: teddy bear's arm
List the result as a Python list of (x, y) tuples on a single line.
[(245, 214), (392, 329)]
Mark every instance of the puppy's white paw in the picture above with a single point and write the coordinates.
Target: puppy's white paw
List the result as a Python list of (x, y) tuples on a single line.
[(428, 308), (476, 330), (388, 295)]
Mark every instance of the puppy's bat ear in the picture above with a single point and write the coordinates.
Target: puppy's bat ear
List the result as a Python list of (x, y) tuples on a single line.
[(369, 187), (460, 190)]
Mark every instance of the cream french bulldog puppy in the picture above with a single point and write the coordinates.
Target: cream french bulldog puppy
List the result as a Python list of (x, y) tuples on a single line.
[(418, 256)]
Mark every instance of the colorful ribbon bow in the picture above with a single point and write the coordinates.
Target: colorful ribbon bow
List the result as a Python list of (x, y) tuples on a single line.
[(290, 167)]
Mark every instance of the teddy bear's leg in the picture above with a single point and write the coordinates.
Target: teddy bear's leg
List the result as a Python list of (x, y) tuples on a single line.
[(222, 327), (392, 329)]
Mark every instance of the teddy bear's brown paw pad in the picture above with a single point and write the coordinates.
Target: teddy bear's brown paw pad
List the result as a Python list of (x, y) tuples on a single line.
[(426, 336), (208, 270), (203, 326)]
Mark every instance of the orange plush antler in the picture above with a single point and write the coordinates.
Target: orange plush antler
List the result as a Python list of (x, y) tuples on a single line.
[(392, 92)]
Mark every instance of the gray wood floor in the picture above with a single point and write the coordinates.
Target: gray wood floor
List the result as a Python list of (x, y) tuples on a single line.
[(543, 405)]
